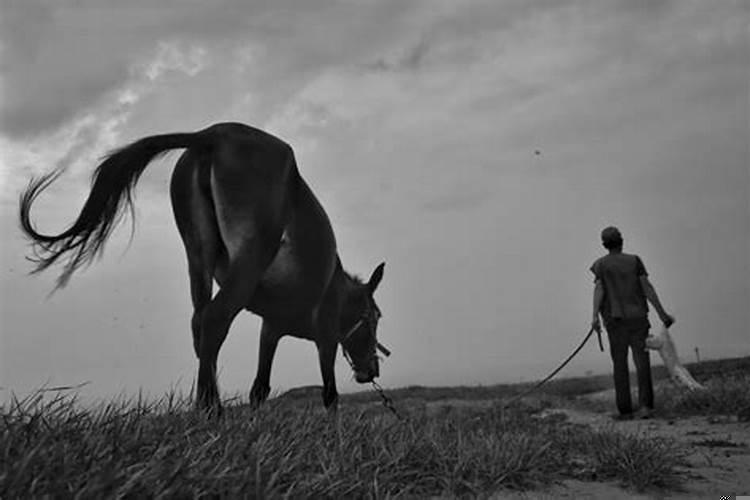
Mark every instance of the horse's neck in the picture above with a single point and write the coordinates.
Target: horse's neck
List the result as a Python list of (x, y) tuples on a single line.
[(344, 283)]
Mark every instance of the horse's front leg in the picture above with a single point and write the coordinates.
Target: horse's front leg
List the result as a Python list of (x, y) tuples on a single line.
[(327, 358), (269, 339)]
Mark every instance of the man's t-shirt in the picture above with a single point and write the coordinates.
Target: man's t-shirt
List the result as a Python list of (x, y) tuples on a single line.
[(620, 274)]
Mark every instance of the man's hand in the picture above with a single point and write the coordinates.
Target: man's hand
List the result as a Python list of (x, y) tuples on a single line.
[(596, 325), (667, 319), (652, 297)]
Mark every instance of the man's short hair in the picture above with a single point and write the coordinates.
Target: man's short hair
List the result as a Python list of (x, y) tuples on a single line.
[(611, 238)]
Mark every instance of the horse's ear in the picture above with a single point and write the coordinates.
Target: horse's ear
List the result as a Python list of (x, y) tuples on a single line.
[(375, 278)]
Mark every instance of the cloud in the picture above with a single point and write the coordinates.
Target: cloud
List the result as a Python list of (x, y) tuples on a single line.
[(63, 57), (411, 59), (80, 145), (170, 57), (436, 105), (52, 76)]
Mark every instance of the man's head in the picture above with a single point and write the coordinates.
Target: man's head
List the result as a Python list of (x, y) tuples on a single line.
[(611, 238)]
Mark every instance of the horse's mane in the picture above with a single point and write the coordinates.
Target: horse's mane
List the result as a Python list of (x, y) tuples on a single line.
[(356, 279)]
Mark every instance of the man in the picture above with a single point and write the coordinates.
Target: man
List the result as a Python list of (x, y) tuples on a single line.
[(620, 294)]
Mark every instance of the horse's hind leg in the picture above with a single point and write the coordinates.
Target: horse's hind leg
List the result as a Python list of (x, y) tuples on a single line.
[(249, 195), (242, 276), (196, 222), (215, 320)]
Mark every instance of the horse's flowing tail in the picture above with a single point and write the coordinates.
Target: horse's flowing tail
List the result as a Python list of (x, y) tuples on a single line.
[(112, 187)]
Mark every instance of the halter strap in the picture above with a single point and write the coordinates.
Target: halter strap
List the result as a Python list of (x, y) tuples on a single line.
[(386, 352), (352, 329)]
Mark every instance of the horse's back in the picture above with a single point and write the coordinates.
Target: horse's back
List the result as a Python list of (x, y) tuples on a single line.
[(304, 262), (256, 193), (252, 176), (233, 133)]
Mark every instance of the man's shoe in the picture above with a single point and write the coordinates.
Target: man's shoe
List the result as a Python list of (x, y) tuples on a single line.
[(622, 416), (645, 413)]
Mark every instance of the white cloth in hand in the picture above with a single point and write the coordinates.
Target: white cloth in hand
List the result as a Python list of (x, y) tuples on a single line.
[(665, 345)]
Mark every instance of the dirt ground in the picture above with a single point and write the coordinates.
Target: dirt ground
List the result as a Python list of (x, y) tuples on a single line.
[(718, 456)]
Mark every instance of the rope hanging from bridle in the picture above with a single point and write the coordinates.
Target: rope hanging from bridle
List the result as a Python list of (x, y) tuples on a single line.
[(384, 398), (555, 372)]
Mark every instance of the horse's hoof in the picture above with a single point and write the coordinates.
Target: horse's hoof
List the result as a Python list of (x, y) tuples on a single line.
[(215, 411), (258, 395), (332, 408), (332, 412), (211, 409)]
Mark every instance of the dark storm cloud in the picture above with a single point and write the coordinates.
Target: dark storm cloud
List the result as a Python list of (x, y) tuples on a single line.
[(61, 58), (54, 71)]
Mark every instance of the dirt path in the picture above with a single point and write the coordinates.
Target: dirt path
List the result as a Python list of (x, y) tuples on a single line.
[(718, 455)]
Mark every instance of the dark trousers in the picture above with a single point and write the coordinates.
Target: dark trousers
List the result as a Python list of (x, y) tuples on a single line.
[(624, 333)]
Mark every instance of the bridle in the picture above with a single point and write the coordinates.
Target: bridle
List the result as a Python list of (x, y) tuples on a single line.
[(353, 329), (368, 319)]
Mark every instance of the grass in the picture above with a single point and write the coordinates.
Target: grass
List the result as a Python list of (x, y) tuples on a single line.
[(291, 448), (639, 460), (288, 449), (724, 395)]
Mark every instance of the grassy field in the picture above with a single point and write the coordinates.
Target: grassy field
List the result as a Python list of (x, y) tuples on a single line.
[(292, 448)]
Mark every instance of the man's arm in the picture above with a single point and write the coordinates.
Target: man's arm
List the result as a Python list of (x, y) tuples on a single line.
[(650, 292), (598, 298)]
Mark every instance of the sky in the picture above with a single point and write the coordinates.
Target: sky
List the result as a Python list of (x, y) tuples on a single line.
[(476, 147)]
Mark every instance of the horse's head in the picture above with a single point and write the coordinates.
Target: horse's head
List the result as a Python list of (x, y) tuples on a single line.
[(359, 321)]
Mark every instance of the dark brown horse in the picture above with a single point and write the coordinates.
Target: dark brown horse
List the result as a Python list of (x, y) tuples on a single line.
[(249, 222)]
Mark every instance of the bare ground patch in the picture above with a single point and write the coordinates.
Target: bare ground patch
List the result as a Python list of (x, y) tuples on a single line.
[(717, 453)]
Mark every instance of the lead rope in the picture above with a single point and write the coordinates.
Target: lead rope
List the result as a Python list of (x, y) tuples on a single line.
[(384, 398), (548, 377), (387, 401)]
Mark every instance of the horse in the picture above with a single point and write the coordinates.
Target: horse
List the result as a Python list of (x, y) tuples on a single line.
[(249, 222)]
